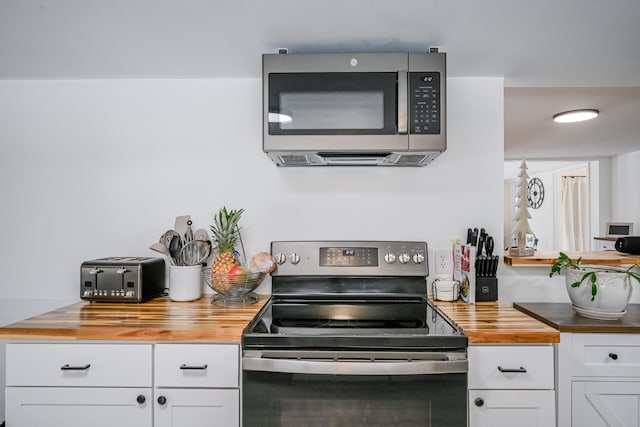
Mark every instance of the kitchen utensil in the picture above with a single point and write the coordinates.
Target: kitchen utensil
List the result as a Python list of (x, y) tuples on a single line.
[(201, 234), (166, 237), (188, 234), (180, 224), (195, 252), (159, 247), (489, 245), (175, 247)]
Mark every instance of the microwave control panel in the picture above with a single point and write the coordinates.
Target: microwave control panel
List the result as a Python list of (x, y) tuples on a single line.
[(424, 103)]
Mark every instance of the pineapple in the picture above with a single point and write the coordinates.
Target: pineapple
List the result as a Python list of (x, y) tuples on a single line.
[(225, 233)]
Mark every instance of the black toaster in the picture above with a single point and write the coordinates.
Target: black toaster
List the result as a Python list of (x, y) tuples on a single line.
[(122, 279)]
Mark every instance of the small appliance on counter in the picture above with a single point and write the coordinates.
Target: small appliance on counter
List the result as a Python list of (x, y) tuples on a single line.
[(628, 245), (122, 279)]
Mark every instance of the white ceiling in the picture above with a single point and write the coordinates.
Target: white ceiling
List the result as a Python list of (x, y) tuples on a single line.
[(544, 44)]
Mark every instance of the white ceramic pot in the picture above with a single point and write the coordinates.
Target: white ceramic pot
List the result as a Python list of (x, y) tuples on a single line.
[(185, 282), (614, 291)]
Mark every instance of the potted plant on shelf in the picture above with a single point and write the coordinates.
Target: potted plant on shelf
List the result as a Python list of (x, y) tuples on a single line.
[(599, 292)]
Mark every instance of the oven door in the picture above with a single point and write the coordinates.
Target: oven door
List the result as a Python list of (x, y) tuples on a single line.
[(283, 389)]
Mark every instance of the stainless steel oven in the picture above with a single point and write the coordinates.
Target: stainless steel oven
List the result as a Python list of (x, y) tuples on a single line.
[(349, 338)]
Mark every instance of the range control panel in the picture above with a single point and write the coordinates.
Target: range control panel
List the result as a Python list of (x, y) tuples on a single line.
[(350, 258)]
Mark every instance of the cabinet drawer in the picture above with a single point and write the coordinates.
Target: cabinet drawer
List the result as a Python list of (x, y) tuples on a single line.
[(79, 365), (511, 367), (197, 365), (605, 355)]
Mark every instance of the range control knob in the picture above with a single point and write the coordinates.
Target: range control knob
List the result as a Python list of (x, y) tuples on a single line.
[(404, 258), (390, 258), (294, 258), (280, 258), (417, 258)]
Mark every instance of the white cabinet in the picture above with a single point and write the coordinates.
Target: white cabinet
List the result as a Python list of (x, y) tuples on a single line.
[(605, 244), (78, 407), (511, 385), (78, 385), (137, 385), (599, 380), (197, 408), (197, 385)]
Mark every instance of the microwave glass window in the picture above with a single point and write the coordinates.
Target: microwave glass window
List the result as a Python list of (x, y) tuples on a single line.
[(332, 110), (333, 103)]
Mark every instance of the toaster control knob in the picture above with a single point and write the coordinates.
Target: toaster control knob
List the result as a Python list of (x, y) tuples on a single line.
[(294, 258), (417, 258), (390, 258), (404, 258), (280, 258), (121, 270)]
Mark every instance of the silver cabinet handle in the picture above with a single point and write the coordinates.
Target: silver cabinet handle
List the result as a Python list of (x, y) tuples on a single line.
[(68, 367), (193, 368), (520, 370)]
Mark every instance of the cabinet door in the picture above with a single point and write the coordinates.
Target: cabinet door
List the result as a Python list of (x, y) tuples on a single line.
[(508, 408), (197, 408), (81, 407), (607, 404)]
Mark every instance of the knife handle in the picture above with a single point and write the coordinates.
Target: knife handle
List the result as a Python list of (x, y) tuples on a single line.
[(489, 245)]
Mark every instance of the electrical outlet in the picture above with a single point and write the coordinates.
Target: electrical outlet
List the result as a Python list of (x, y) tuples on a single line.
[(444, 264)]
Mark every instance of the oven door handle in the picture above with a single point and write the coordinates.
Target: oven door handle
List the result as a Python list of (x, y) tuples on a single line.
[(332, 367)]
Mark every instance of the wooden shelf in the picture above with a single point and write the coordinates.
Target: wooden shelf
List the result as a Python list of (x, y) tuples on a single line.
[(547, 258)]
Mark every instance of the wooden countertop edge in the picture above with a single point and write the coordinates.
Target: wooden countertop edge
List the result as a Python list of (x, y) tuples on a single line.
[(513, 337), (547, 258), (233, 335), (613, 328)]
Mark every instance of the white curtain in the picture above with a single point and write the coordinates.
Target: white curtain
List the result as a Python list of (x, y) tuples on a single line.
[(574, 214)]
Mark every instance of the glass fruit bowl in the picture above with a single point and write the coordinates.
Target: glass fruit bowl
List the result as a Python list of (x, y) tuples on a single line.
[(233, 289)]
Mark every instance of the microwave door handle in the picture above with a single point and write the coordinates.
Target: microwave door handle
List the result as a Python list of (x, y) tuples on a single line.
[(293, 366), (402, 101)]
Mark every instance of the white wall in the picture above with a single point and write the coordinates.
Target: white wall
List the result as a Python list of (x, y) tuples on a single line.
[(625, 198), (95, 168)]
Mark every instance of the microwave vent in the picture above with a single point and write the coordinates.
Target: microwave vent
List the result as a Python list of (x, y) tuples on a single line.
[(294, 160), (420, 159)]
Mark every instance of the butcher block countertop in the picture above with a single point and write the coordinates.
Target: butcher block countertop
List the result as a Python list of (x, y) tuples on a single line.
[(547, 258), (562, 317), (156, 320), (497, 323)]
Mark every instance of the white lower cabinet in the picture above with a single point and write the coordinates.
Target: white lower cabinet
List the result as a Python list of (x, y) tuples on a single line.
[(78, 407), (599, 380), (197, 385), (197, 408), (511, 385), (124, 385)]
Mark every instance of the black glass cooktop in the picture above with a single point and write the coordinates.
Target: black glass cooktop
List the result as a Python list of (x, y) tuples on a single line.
[(397, 324)]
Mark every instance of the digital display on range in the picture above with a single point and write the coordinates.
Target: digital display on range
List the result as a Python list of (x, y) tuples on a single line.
[(348, 257)]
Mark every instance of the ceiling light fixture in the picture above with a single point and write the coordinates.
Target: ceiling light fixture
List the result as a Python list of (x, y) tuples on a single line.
[(574, 116)]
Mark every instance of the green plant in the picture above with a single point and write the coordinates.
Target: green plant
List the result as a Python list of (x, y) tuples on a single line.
[(564, 261)]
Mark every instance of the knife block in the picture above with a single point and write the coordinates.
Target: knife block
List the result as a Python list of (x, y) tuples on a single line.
[(486, 289)]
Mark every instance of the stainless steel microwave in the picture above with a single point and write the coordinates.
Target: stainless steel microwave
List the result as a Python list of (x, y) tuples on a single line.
[(368, 109)]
